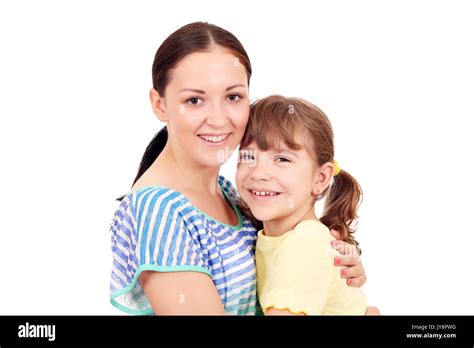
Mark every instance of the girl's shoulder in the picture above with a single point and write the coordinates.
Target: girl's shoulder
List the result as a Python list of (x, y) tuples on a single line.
[(308, 235)]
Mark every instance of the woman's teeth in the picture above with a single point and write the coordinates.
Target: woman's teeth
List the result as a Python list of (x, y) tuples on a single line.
[(214, 138), (260, 193)]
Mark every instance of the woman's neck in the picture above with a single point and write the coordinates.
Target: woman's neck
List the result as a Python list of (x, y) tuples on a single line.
[(278, 227), (181, 174)]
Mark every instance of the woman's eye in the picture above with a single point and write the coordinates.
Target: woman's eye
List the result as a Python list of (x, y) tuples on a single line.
[(194, 101), (234, 97), (282, 159)]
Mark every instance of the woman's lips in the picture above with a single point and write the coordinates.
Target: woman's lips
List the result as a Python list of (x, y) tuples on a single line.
[(214, 139)]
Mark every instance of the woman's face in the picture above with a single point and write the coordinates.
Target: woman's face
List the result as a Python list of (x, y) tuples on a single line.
[(206, 106)]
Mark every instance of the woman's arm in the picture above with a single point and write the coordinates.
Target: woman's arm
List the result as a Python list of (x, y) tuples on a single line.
[(354, 270), (181, 293), (372, 311)]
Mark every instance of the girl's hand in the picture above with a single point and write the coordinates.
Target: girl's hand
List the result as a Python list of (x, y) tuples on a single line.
[(354, 271)]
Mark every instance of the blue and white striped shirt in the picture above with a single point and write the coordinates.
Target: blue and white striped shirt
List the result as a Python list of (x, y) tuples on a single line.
[(156, 228)]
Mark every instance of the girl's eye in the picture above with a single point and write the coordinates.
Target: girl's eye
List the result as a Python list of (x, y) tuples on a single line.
[(245, 156), (234, 97), (194, 101), (282, 159)]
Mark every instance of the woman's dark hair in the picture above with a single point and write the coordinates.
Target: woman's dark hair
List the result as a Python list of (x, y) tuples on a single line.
[(191, 38)]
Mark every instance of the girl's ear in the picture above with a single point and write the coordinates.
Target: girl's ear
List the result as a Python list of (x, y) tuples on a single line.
[(158, 105), (323, 178)]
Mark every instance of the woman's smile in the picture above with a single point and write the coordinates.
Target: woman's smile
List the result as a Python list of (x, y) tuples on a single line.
[(215, 139)]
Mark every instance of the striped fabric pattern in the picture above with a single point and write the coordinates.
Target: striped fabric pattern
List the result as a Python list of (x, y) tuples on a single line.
[(157, 228)]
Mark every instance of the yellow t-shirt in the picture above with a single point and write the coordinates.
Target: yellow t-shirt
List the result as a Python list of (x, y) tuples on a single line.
[(296, 271)]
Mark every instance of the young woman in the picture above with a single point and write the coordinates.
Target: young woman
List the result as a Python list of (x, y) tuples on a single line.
[(286, 164), (180, 244)]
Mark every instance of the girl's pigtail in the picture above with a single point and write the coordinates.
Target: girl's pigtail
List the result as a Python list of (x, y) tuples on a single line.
[(340, 209)]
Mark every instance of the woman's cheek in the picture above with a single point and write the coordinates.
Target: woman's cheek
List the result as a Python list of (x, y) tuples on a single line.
[(241, 116)]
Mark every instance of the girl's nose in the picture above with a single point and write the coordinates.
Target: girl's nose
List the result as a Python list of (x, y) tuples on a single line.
[(260, 170)]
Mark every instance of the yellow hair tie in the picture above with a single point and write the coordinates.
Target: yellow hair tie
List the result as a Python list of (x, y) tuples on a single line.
[(337, 169)]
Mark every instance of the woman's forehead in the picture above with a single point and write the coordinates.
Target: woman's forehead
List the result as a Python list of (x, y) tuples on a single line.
[(218, 67)]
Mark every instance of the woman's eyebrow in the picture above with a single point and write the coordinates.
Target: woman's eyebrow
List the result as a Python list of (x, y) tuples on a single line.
[(200, 91), (233, 86)]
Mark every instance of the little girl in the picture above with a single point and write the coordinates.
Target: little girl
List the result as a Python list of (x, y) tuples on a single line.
[(287, 164)]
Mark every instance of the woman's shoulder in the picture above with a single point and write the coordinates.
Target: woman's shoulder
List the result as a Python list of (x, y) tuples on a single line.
[(228, 188), (145, 203)]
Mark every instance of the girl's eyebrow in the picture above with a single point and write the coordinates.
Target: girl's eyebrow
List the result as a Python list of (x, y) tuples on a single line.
[(287, 150), (200, 91), (274, 150)]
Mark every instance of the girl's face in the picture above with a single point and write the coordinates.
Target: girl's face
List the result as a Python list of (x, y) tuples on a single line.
[(278, 182), (206, 106)]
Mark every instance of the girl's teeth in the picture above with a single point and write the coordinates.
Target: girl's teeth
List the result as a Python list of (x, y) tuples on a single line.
[(214, 139), (258, 193)]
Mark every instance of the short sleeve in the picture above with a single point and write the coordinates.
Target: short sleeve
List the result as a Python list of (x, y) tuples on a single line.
[(150, 233), (301, 278)]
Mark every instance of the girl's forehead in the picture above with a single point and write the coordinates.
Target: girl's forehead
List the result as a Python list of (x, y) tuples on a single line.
[(277, 146), (302, 147)]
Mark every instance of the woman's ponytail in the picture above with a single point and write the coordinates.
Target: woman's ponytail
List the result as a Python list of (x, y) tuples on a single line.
[(153, 150)]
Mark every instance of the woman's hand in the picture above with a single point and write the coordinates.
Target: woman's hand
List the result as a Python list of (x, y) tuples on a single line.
[(353, 270)]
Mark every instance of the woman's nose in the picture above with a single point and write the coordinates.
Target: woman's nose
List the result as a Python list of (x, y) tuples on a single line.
[(217, 116)]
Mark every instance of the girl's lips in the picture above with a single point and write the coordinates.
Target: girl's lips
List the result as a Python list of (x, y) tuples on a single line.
[(263, 195), (214, 140)]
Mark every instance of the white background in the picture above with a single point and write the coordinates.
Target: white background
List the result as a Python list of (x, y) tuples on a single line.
[(395, 77)]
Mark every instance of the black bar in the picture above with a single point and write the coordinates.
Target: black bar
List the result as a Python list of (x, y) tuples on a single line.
[(292, 331)]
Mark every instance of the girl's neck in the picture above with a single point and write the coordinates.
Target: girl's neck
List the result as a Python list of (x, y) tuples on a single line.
[(278, 227)]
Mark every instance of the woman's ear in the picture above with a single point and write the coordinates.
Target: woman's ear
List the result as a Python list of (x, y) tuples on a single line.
[(323, 178), (158, 105)]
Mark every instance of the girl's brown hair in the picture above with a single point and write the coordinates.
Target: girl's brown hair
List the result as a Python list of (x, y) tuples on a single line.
[(277, 118)]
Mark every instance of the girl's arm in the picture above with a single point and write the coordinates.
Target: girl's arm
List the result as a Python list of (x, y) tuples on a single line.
[(181, 293), (274, 311)]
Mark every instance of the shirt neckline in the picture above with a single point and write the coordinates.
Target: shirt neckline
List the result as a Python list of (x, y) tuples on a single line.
[(234, 207)]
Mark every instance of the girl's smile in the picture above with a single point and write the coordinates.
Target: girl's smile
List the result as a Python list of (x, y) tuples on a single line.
[(263, 194)]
